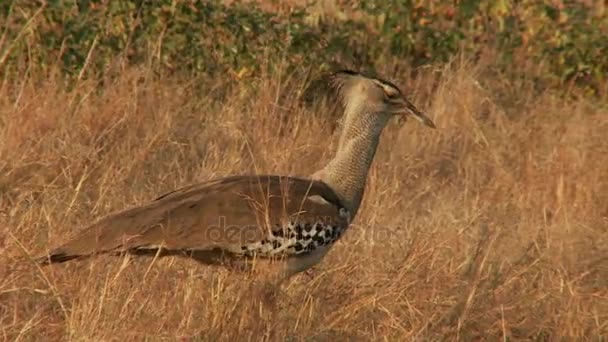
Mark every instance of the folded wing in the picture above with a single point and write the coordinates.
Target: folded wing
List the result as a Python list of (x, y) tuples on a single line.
[(231, 214)]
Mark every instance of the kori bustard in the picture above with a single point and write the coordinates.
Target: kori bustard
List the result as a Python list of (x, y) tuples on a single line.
[(278, 225)]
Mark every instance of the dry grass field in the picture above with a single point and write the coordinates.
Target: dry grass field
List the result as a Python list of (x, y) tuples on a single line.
[(492, 227)]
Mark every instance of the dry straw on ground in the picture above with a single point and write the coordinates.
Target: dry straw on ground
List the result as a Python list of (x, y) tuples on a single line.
[(495, 225)]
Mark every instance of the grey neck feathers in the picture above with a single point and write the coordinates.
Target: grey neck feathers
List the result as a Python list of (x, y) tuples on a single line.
[(347, 172)]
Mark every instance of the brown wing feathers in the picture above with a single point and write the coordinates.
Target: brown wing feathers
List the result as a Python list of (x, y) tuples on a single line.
[(224, 213)]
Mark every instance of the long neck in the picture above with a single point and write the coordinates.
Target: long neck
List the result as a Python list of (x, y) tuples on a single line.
[(347, 172)]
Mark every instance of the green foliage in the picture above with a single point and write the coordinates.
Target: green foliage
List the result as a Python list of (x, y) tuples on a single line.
[(564, 44), (574, 44), (185, 36), (413, 31)]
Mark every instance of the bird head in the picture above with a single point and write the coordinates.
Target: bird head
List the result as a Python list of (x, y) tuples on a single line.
[(374, 96)]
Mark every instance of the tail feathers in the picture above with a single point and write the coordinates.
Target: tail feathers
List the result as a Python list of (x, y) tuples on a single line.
[(95, 241), (67, 253), (79, 248), (116, 233), (91, 241), (57, 257)]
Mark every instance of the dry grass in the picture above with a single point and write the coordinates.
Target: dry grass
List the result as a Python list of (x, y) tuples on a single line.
[(493, 226)]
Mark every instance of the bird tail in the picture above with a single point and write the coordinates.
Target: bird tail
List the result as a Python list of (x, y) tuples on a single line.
[(80, 246), (98, 238), (54, 257)]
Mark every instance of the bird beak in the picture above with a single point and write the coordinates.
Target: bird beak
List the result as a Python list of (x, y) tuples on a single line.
[(410, 109)]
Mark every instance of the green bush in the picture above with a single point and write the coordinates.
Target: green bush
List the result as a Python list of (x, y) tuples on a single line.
[(565, 45)]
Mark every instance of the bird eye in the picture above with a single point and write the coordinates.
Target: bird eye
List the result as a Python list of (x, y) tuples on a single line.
[(391, 94)]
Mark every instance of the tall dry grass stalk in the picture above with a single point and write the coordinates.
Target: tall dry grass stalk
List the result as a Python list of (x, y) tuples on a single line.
[(495, 225)]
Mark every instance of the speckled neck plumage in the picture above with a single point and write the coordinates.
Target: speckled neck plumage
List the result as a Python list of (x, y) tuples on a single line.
[(347, 172)]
